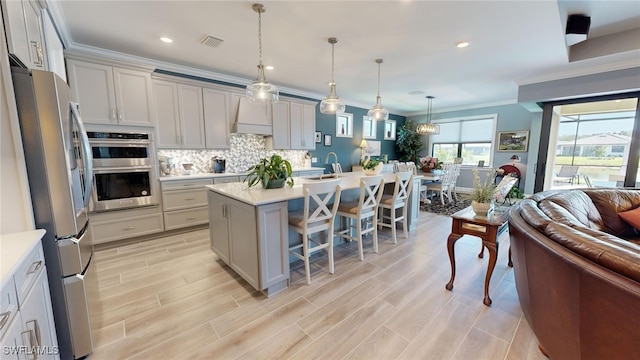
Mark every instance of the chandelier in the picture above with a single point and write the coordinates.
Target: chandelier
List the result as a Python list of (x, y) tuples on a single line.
[(428, 128), (332, 103), (378, 112), (261, 89)]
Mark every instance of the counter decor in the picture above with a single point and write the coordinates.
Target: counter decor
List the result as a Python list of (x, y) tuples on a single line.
[(372, 166), (272, 173)]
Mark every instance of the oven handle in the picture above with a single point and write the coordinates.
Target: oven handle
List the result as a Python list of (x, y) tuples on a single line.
[(121, 143), (137, 168), (86, 148)]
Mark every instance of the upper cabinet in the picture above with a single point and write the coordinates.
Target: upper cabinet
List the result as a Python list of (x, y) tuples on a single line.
[(294, 125), (111, 95), (180, 121), (25, 36), (217, 117)]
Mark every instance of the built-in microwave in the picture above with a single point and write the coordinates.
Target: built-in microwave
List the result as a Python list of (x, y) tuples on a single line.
[(124, 173)]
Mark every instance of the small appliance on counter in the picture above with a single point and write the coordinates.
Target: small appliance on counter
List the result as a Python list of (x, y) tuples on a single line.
[(166, 165), (218, 164), (187, 168)]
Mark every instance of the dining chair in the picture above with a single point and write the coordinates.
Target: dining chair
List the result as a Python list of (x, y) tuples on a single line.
[(362, 215), (321, 202), (444, 186), (393, 202), (453, 190)]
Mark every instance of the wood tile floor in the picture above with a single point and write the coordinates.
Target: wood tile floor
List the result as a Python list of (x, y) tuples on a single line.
[(171, 298)]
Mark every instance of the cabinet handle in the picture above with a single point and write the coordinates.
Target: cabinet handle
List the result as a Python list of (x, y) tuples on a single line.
[(30, 348), (224, 210), (189, 199), (5, 318), (191, 218), (119, 114), (129, 228), (113, 114), (36, 46), (35, 327), (34, 267)]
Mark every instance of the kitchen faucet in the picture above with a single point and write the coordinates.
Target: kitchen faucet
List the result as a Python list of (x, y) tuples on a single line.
[(336, 165)]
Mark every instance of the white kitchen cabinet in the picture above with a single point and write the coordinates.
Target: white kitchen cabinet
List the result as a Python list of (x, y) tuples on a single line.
[(111, 95), (184, 203), (26, 316), (240, 237), (54, 47), (294, 125), (124, 224), (24, 32), (179, 120), (217, 118)]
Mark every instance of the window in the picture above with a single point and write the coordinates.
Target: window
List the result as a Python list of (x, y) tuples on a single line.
[(470, 138)]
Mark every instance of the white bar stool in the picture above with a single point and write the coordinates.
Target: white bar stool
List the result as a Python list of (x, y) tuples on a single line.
[(395, 201)]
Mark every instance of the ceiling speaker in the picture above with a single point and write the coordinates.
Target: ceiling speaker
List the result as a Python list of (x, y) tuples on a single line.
[(577, 28)]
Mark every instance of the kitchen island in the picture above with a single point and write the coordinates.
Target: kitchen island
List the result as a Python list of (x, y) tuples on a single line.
[(249, 226)]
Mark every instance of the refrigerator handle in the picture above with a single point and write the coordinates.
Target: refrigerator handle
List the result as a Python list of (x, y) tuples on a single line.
[(88, 159)]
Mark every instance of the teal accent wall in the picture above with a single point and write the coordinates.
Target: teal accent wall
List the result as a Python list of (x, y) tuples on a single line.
[(510, 117), (348, 149)]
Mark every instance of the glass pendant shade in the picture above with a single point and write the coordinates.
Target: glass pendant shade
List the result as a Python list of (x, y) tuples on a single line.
[(332, 103), (378, 112), (261, 89)]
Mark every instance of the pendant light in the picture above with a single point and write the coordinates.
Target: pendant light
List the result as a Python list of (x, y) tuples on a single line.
[(261, 89), (428, 128), (332, 103), (378, 112)]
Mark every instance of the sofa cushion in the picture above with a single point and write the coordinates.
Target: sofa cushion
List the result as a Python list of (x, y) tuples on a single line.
[(632, 217), (616, 258), (611, 202), (533, 215), (578, 204), (558, 213), (614, 240)]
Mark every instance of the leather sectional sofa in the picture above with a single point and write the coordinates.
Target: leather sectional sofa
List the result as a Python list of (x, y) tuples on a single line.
[(577, 272)]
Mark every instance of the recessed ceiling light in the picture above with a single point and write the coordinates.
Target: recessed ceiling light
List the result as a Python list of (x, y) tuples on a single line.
[(462, 44), (166, 40), (269, 67)]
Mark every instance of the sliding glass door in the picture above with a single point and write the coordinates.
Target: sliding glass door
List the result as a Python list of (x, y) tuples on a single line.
[(589, 142)]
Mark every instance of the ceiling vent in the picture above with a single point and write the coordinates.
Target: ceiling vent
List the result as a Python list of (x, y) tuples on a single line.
[(211, 41)]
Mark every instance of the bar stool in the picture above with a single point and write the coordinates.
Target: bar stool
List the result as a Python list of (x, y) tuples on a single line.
[(399, 199), (318, 215), (365, 210)]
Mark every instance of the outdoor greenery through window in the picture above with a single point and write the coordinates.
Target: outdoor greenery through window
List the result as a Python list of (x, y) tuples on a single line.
[(469, 138), (595, 143)]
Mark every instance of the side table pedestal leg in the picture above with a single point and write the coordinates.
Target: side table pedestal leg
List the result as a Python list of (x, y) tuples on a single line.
[(451, 242)]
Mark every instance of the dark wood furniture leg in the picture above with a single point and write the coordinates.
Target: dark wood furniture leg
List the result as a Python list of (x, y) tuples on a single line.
[(492, 246), (451, 242)]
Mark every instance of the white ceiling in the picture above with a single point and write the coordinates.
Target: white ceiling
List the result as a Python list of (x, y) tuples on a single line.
[(512, 42)]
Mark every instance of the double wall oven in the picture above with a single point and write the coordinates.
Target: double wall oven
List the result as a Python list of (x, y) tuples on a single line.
[(124, 170)]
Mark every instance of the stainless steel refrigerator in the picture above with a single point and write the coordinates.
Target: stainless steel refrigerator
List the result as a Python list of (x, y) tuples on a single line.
[(58, 160)]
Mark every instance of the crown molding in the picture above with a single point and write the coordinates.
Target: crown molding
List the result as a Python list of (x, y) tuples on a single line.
[(513, 101)]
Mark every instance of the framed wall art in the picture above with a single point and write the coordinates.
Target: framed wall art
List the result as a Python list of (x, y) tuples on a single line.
[(389, 129), (327, 140), (368, 128), (344, 125), (512, 141)]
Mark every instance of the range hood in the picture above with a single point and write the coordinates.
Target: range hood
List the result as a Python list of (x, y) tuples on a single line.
[(252, 118)]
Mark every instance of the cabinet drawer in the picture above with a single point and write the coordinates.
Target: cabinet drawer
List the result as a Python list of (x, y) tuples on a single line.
[(183, 199), (8, 305), (226, 179), (184, 218), (184, 184), (28, 271), (112, 230)]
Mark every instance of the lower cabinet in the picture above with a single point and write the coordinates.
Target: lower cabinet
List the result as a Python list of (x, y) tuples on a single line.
[(27, 330), (124, 224), (184, 203), (252, 240)]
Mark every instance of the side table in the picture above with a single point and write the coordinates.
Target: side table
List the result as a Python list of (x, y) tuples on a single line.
[(487, 228)]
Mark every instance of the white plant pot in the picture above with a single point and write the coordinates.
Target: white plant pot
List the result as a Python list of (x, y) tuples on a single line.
[(375, 171), (482, 209)]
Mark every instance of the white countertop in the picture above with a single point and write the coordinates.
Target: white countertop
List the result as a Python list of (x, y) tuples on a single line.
[(258, 196), (218, 175), (13, 249)]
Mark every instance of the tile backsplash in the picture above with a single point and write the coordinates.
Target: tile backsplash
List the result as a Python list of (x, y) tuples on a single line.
[(245, 151)]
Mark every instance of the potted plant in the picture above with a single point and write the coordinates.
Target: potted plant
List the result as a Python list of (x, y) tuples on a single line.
[(273, 173), (409, 142), (429, 164), (482, 195), (372, 166)]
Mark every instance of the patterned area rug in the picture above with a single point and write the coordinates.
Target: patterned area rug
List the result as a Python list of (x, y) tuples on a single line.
[(447, 208)]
